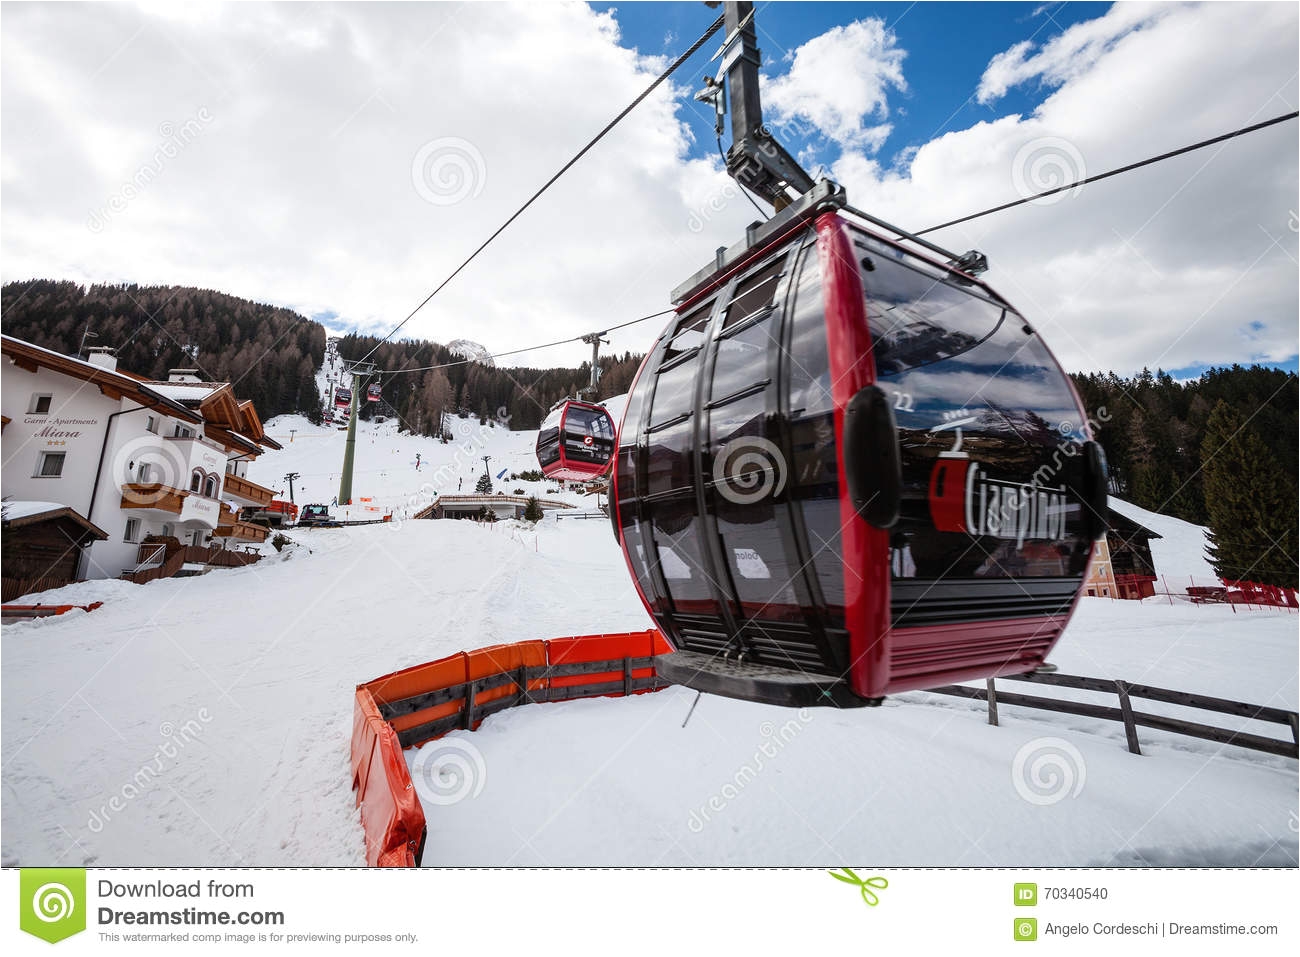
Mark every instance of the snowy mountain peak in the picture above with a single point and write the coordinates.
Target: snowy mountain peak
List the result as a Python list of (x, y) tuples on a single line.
[(468, 349)]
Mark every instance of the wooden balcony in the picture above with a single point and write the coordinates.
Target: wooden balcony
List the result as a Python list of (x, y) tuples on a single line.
[(153, 495), (241, 531), (246, 491)]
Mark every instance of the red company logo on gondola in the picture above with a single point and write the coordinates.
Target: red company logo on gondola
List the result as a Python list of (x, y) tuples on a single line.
[(588, 441), (964, 499)]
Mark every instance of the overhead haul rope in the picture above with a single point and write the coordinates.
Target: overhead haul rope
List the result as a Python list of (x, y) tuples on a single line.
[(1115, 172), (515, 352), (691, 51)]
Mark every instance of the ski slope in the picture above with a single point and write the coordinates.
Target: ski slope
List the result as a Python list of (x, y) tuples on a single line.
[(384, 467), (206, 721)]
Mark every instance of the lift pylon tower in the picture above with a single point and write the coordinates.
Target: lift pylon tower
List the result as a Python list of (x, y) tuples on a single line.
[(359, 371), (594, 338)]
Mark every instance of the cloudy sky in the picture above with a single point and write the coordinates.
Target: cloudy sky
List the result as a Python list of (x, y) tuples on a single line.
[(343, 159)]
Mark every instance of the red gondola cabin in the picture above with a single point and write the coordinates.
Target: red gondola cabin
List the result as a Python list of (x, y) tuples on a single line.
[(848, 469), (576, 442)]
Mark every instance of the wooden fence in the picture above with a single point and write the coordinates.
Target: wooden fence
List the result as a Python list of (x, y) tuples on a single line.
[(11, 588), (1131, 718)]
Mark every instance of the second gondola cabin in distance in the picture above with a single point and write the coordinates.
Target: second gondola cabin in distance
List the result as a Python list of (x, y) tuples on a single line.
[(576, 441)]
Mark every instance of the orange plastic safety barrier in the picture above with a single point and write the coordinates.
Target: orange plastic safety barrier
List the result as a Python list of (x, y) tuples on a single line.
[(42, 611), (418, 704), (391, 815)]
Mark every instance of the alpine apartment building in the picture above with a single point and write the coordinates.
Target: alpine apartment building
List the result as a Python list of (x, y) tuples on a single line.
[(130, 457)]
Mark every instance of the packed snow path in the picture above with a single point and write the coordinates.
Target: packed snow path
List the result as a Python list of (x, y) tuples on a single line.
[(206, 721)]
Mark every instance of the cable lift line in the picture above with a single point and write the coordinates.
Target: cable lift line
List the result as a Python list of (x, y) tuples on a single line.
[(903, 234), (672, 68), (515, 352), (1114, 172)]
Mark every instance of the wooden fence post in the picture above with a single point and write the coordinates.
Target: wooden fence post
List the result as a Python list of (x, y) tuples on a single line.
[(1126, 708), (993, 702)]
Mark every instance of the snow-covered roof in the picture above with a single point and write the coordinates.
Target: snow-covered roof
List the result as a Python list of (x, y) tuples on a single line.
[(1179, 552), (15, 510), (19, 514), (146, 393), (186, 391)]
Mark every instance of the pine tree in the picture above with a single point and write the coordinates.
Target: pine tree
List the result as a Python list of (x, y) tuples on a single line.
[(533, 510), (484, 486), (1248, 498)]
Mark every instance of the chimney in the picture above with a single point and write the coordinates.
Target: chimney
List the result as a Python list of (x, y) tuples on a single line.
[(103, 356), (183, 375)]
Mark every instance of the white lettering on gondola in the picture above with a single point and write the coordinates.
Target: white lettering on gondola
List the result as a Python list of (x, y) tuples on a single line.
[(1013, 510)]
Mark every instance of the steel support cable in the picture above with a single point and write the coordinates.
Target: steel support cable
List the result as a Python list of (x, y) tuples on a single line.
[(672, 68)]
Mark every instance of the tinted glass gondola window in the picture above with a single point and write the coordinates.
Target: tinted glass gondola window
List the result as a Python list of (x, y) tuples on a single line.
[(989, 430), (814, 469), (754, 294)]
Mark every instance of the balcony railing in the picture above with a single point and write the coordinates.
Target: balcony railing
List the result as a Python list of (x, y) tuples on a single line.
[(242, 531), (153, 495), (240, 488), (189, 506)]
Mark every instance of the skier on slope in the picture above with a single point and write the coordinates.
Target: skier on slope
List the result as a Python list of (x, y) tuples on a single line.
[(417, 461)]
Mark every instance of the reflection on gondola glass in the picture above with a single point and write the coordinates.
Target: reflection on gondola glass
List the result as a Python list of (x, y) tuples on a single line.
[(746, 524), (981, 407)]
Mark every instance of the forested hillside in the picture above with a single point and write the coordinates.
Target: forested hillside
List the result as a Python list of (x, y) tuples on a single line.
[(525, 395), (270, 354), (1220, 451)]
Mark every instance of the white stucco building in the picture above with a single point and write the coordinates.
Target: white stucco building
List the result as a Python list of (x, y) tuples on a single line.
[(132, 456)]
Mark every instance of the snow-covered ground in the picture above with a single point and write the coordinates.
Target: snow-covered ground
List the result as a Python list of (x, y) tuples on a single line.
[(206, 721), (922, 780), (384, 468)]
